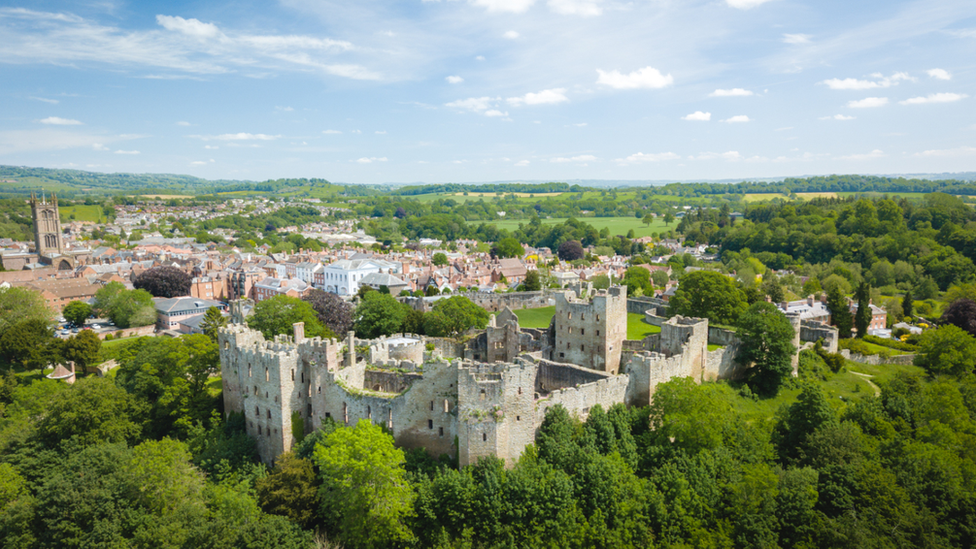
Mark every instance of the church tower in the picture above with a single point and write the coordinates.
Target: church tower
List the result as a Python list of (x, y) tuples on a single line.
[(47, 225)]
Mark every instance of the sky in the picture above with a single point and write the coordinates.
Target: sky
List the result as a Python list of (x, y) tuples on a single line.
[(435, 91)]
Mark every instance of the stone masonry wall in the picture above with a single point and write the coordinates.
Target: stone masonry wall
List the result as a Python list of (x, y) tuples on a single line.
[(591, 334)]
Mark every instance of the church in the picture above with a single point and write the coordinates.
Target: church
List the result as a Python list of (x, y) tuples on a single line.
[(49, 246)]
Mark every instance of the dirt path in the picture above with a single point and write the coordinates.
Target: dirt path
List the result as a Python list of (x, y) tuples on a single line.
[(867, 378)]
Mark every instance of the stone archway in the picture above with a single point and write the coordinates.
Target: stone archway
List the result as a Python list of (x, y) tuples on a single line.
[(65, 265)]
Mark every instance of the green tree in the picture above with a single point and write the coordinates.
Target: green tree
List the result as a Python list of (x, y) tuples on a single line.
[(948, 350), (668, 218), (95, 410), (907, 304), (439, 259), (508, 247), (862, 318), (772, 287), (648, 219), (27, 340), (364, 490), (77, 312), (291, 490), (638, 278), (84, 349), (277, 316), (378, 315), (533, 282), (213, 320), (767, 343), (600, 282), (18, 304), (460, 314), (840, 311), (810, 412), (708, 294)]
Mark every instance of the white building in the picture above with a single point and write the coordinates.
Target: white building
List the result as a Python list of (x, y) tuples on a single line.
[(344, 277)]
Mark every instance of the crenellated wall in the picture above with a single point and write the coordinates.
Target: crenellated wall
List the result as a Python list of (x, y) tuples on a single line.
[(591, 334)]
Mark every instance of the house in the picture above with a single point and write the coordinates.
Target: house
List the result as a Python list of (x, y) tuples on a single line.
[(172, 310), (344, 277), (377, 280), (270, 287), (879, 317), (808, 309), (59, 292)]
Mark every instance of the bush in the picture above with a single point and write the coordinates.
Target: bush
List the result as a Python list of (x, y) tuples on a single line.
[(891, 343), (856, 346)]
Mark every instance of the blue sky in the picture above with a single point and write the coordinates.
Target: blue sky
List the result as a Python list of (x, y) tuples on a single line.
[(375, 91)]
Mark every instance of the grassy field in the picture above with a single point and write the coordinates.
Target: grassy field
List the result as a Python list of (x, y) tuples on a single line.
[(617, 225), (81, 213), (539, 318), (163, 196), (759, 197)]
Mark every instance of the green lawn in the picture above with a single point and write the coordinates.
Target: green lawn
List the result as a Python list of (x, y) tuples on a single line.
[(539, 318), (81, 213), (617, 225)]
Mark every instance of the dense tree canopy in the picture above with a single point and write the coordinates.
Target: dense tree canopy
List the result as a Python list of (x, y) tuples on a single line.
[(126, 308), (708, 294), (378, 315), (332, 311), (948, 350), (164, 282), (766, 337), (279, 314), (570, 250), (453, 316), (77, 312)]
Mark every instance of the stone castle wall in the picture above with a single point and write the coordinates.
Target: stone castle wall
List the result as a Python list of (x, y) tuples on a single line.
[(591, 334)]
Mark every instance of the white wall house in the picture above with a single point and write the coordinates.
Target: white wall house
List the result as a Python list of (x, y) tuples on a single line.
[(345, 276)]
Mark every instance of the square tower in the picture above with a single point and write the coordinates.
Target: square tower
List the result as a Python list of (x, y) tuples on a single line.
[(591, 334), (47, 225)]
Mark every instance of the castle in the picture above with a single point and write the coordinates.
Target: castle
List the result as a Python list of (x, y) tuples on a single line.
[(486, 396)]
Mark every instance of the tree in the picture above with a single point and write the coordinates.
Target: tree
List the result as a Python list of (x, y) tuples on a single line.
[(25, 341), (638, 278), (213, 320), (291, 490), (771, 287), (277, 316), (840, 312), (125, 307), (659, 278), (164, 282), (378, 315), (708, 294), (439, 259), (862, 318), (84, 349), (668, 218), (948, 350), (810, 412), (907, 304), (648, 219), (95, 410), (508, 247), (18, 304), (364, 493), (570, 250), (533, 282), (332, 311), (77, 312), (767, 343), (460, 314)]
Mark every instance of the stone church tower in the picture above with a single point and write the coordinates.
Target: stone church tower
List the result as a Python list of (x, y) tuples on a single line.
[(47, 226)]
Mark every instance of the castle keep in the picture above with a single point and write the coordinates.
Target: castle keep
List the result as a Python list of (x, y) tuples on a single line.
[(486, 396)]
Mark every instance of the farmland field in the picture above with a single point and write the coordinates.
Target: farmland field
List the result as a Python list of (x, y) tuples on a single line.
[(81, 213), (617, 225)]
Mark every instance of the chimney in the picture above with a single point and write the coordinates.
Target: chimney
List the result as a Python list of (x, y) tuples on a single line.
[(810, 300), (299, 329), (351, 348)]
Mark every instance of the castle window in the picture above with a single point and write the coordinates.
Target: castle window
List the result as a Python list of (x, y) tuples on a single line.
[(582, 316), (345, 413), (598, 332), (303, 377), (320, 389), (269, 413), (484, 437), (570, 329), (257, 412), (309, 410), (432, 406), (248, 370), (569, 315), (430, 424), (267, 374), (327, 414), (482, 394), (598, 318), (447, 406), (562, 355), (518, 418), (293, 374), (519, 390), (259, 430), (369, 412), (389, 420), (582, 331), (440, 431), (582, 348), (226, 345)]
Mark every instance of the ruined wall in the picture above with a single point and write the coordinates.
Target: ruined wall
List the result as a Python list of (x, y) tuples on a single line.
[(591, 334), (812, 331), (721, 336), (387, 381), (386, 350), (497, 413), (552, 376), (878, 359), (579, 400), (687, 337), (653, 319), (640, 305), (493, 302), (647, 370)]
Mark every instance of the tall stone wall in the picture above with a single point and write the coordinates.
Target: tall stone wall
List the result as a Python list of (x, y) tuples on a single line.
[(640, 305), (813, 331)]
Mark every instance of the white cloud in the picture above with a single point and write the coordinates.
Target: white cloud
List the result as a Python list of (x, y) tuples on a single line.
[(356, 131), (879, 82), (211, 147), (580, 124), (238, 137), (454, 79), (958, 151), (58, 121), (183, 123), (284, 109), (511, 6), (648, 77), (370, 160), (935, 98), (652, 157), (585, 8), (202, 162), (480, 58), (99, 147), (940, 74), (796, 38), (127, 152), (837, 117), (728, 155), (734, 92), (698, 116), (522, 163), (580, 158), (495, 112), (331, 132), (189, 27), (876, 153), (868, 102), (737, 119), (511, 35), (545, 97), (745, 4), (474, 104), (45, 100)]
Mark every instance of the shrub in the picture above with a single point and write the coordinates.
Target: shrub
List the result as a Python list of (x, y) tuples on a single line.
[(856, 346), (891, 343)]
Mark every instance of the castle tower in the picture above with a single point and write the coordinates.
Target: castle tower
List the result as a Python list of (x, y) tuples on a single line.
[(47, 225), (591, 334)]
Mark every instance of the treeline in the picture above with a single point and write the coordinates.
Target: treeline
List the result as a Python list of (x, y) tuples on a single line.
[(492, 188), (831, 183)]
